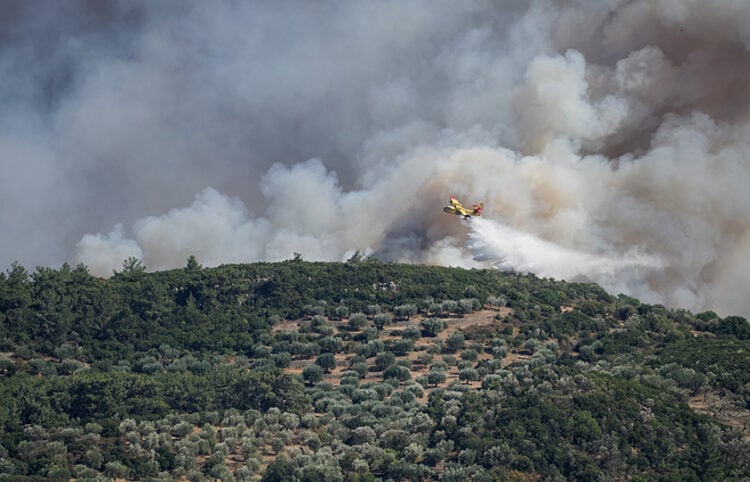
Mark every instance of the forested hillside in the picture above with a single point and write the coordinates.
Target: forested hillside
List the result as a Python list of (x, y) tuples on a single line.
[(361, 371)]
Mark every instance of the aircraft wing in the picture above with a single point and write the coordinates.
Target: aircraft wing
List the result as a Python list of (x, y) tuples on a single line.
[(458, 207)]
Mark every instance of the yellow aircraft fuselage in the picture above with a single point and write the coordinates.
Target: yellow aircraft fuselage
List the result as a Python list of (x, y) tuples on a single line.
[(459, 210)]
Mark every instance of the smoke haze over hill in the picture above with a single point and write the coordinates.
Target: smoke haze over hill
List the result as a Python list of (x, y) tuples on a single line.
[(609, 139)]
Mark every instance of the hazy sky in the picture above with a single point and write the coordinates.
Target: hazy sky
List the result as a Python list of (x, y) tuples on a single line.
[(609, 138)]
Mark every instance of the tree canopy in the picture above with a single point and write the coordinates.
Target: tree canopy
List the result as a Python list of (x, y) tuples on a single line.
[(361, 371)]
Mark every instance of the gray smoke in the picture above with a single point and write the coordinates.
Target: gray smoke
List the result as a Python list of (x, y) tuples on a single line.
[(609, 139)]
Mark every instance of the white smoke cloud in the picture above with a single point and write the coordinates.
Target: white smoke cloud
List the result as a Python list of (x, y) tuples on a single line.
[(554, 102), (102, 253), (608, 138)]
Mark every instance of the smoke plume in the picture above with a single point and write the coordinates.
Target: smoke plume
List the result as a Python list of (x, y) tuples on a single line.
[(608, 139)]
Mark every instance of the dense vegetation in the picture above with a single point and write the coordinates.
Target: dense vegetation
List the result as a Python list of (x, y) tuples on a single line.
[(361, 371)]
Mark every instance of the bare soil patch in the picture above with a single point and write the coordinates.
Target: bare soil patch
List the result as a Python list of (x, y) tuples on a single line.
[(723, 409), (471, 320), (478, 320)]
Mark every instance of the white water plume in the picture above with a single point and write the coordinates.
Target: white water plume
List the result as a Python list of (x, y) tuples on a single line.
[(511, 249)]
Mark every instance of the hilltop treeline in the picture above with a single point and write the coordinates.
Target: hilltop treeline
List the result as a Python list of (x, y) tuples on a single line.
[(226, 308), (361, 371)]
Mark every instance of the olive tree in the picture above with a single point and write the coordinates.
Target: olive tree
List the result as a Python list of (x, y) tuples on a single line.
[(326, 361), (404, 312), (381, 319), (398, 372), (455, 342), (357, 321), (432, 326), (384, 360), (312, 374), (468, 375), (435, 377)]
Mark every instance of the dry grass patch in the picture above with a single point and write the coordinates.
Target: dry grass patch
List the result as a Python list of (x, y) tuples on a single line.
[(286, 325), (513, 357)]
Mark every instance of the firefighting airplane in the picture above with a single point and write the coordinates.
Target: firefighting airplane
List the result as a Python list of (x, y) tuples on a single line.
[(459, 210)]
